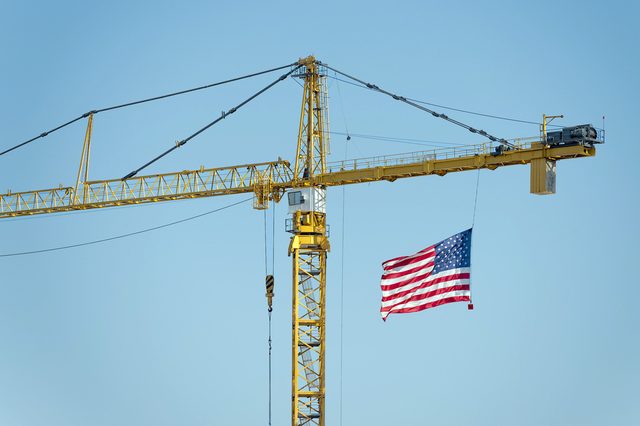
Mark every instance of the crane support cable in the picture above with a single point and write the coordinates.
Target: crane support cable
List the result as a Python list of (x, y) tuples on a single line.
[(155, 98), (129, 234), (420, 107), (224, 115), (465, 111)]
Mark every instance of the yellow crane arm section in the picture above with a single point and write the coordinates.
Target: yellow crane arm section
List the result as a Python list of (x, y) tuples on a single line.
[(443, 161), (145, 189), (268, 180)]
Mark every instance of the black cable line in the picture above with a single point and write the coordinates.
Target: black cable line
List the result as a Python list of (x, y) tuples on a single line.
[(224, 114), (448, 107), (43, 134), (270, 351), (168, 95), (155, 98), (53, 215), (421, 142), (266, 270), (420, 107), (129, 234), (465, 111), (475, 113), (347, 82)]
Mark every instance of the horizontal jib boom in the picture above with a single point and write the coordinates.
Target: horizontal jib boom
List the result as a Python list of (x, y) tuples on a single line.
[(441, 162), (277, 176), (145, 189)]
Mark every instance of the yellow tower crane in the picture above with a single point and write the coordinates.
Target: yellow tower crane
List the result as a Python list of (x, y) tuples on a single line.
[(305, 184)]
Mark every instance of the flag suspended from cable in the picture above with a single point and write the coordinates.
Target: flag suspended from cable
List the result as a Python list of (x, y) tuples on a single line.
[(437, 275)]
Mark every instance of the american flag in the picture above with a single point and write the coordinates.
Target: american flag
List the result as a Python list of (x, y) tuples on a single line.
[(439, 274)]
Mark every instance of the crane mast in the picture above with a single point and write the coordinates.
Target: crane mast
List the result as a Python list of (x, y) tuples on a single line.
[(308, 250), (305, 185)]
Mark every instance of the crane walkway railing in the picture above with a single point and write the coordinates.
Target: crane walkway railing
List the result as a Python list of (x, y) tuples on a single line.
[(421, 156), (144, 189)]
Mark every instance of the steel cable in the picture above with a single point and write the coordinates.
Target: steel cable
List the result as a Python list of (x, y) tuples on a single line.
[(129, 234), (224, 115), (155, 98), (420, 107)]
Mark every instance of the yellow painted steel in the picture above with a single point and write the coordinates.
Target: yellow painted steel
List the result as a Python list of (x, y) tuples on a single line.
[(441, 162), (83, 170), (308, 249), (310, 154), (269, 180), (187, 184)]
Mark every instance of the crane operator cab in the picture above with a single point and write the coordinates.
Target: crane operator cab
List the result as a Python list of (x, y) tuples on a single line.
[(305, 205), (312, 199)]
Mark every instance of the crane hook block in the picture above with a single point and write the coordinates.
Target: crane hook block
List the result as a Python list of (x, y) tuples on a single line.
[(269, 283)]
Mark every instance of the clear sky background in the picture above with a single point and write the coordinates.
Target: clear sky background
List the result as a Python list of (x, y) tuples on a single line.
[(170, 327)]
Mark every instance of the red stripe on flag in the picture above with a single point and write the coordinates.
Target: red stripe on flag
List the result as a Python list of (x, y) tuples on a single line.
[(390, 275), (459, 276), (426, 284), (391, 264), (429, 305), (417, 297)]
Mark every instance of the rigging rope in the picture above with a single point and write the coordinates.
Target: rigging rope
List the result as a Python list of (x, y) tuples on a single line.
[(475, 201), (269, 287), (224, 115), (465, 111), (422, 142), (155, 98), (420, 107), (473, 222), (129, 234)]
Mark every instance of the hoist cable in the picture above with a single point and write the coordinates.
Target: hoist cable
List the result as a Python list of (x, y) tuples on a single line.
[(420, 107), (266, 271), (342, 298), (270, 350), (155, 98), (129, 234), (475, 201), (224, 114), (273, 240)]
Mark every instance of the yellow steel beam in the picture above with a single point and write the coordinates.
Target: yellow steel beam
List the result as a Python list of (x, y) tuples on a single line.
[(273, 177), (440, 162), (308, 248), (187, 184)]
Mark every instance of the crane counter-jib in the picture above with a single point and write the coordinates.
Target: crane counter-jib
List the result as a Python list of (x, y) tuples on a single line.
[(440, 163), (272, 178)]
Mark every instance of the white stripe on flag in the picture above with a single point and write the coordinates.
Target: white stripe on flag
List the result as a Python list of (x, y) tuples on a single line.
[(428, 289), (417, 303), (409, 286)]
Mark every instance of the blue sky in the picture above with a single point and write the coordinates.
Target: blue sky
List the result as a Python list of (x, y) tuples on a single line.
[(170, 327)]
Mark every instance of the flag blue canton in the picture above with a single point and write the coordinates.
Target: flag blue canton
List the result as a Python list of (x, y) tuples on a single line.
[(454, 252)]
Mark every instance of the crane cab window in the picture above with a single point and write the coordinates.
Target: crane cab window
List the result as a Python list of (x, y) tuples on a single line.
[(295, 198)]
